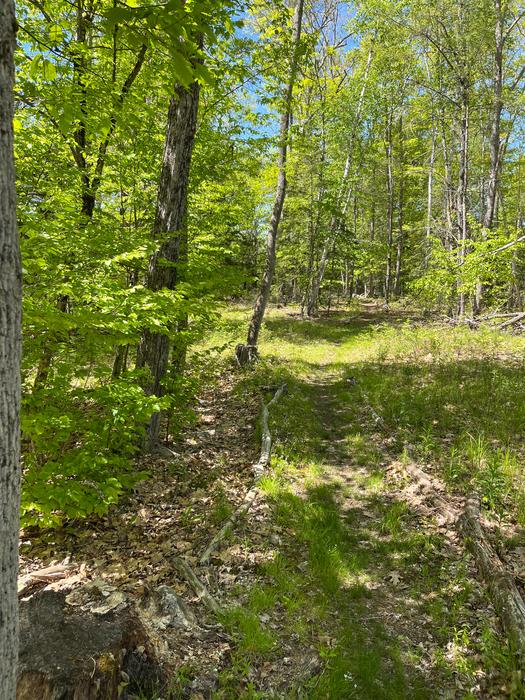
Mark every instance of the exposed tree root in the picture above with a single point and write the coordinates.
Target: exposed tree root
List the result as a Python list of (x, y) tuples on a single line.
[(246, 354)]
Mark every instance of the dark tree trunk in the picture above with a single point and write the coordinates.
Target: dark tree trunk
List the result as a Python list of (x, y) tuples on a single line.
[(166, 264), (10, 350), (90, 178), (280, 194)]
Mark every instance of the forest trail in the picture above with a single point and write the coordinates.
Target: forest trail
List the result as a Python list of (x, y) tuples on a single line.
[(400, 610), (338, 583)]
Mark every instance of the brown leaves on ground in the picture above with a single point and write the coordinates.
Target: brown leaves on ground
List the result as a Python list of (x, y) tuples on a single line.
[(129, 553)]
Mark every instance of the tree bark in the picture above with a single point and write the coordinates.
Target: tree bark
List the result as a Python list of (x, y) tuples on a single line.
[(503, 590), (164, 269), (10, 351), (430, 195), (497, 107), (280, 194)]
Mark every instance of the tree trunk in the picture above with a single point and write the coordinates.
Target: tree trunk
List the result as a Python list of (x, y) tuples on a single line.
[(390, 208), (497, 107), (400, 232), (164, 269), (462, 221), (10, 350), (90, 177), (430, 195), (495, 138), (280, 194)]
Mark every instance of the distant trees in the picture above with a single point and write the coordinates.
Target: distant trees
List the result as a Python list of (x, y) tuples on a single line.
[(10, 350), (434, 127)]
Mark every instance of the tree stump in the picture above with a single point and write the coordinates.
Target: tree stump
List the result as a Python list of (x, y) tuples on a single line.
[(246, 354), (68, 654)]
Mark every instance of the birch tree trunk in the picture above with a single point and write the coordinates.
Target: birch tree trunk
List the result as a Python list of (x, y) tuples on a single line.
[(280, 194), (165, 265), (10, 350)]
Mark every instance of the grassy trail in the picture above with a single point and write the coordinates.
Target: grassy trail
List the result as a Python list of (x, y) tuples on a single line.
[(386, 597)]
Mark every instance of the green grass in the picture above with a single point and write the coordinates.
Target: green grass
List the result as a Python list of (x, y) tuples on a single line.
[(453, 398)]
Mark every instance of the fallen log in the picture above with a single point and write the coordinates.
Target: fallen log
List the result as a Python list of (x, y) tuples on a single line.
[(511, 321), (258, 468), (502, 588), (266, 440)]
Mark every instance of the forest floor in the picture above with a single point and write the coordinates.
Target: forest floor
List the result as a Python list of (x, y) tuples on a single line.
[(341, 581)]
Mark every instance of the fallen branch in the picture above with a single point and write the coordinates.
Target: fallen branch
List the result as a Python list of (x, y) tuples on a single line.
[(504, 593), (259, 468), (517, 317), (228, 525), (505, 314), (266, 442), (377, 418), (200, 589)]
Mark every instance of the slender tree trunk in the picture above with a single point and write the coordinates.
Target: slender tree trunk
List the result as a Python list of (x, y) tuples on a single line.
[(280, 194), (400, 223), (165, 265), (495, 138), (369, 289), (430, 195), (390, 208), (449, 198), (90, 178), (462, 220), (10, 350), (497, 108), (315, 221)]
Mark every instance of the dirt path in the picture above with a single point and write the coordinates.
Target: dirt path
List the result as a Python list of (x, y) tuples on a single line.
[(412, 593)]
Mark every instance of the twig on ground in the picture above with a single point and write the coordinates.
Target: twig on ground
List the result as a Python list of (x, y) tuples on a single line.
[(259, 468)]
